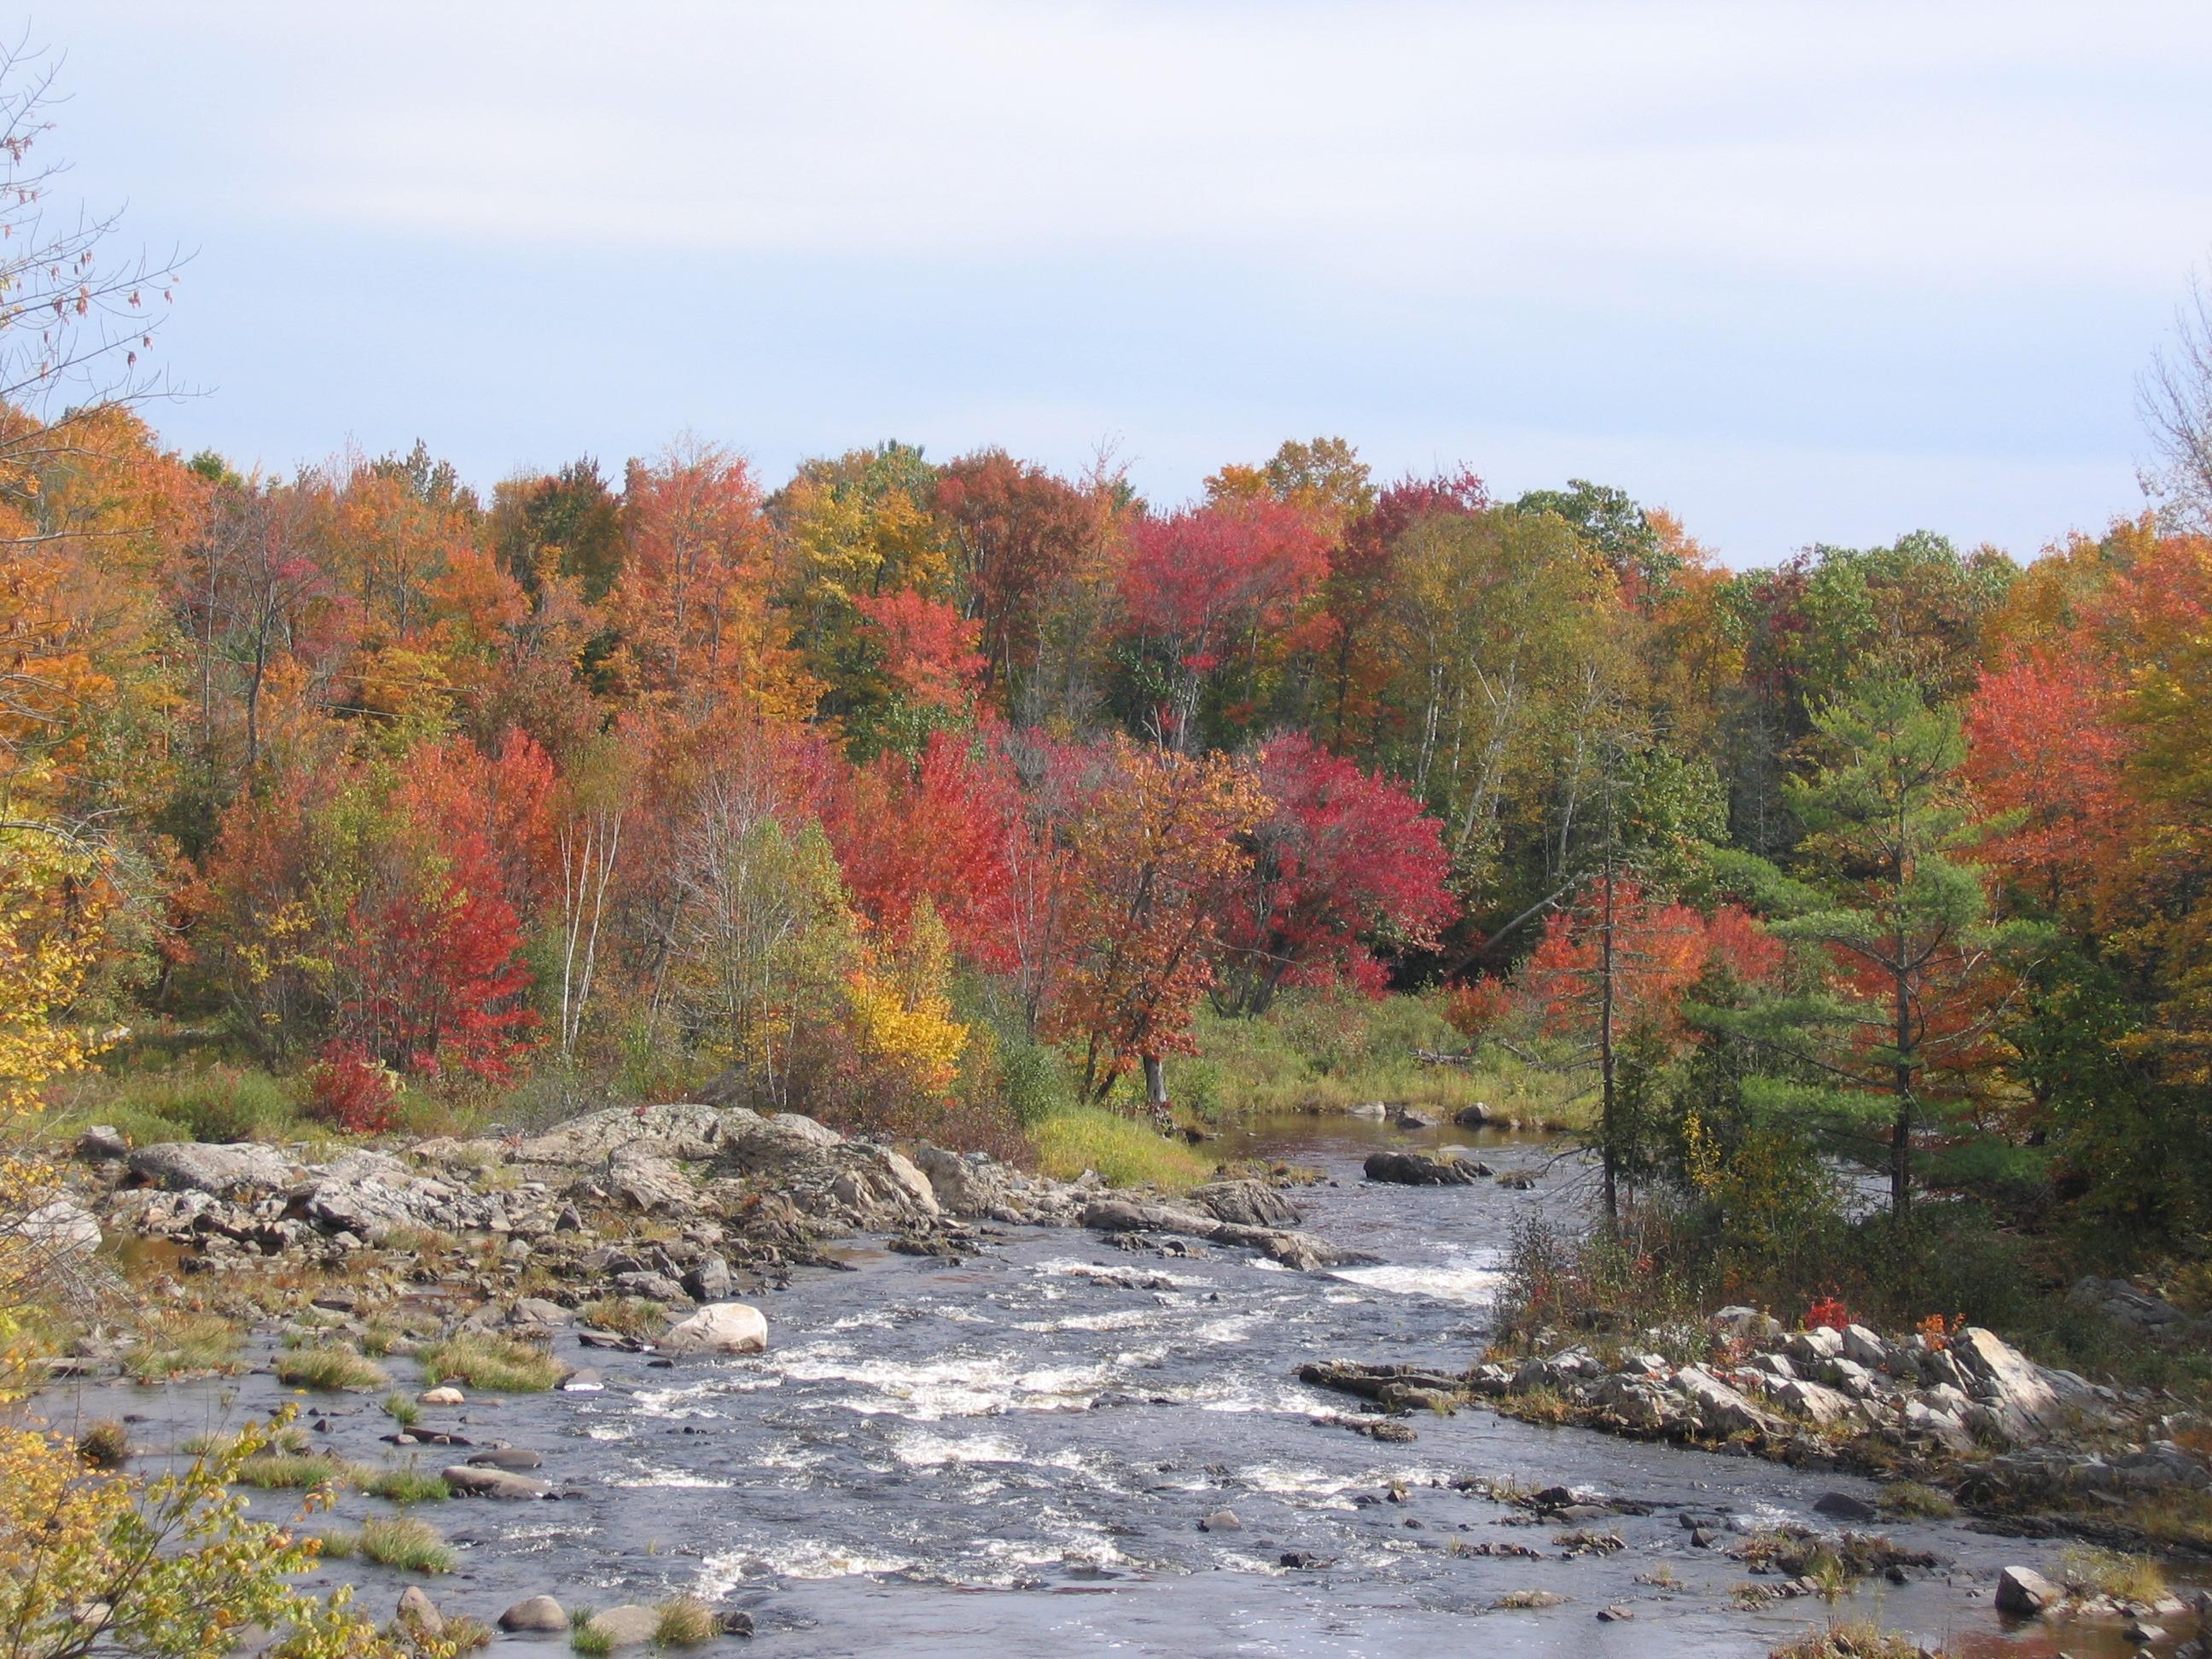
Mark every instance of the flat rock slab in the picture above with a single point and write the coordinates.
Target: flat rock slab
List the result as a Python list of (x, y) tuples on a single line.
[(1424, 1169), (506, 1457), (470, 1481), (627, 1626)]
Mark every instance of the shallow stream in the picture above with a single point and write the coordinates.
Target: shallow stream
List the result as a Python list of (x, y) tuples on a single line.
[(1012, 1455)]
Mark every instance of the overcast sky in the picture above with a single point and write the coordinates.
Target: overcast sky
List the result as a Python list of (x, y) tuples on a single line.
[(1799, 272)]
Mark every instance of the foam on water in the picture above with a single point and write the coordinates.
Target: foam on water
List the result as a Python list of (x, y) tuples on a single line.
[(1473, 1286)]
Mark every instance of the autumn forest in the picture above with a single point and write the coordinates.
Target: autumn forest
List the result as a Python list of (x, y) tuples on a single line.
[(956, 796)]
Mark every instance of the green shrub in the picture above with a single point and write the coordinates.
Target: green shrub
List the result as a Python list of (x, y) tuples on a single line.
[(175, 1345), (686, 1622), (1035, 1080), (496, 1363), (275, 1471), (219, 1103), (402, 1410), (1124, 1153), (329, 1368), (407, 1485), (105, 1445), (403, 1542)]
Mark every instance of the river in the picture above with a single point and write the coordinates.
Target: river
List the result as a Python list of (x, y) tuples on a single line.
[(1011, 1455)]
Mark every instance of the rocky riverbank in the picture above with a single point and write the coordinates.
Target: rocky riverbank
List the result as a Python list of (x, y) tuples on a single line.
[(1963, 1412), (1040, 1386)]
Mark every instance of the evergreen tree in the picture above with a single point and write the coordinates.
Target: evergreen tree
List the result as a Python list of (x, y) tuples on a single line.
[(1904, 964)]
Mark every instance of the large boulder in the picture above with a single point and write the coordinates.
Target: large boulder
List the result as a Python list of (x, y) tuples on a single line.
[(753, 1144), (61, 1228), (725, 1327), (645, 1179), (474, 1480), (629, 1625), (969, 1185), (223, 1172), (2024, 1593), (369, 1194), (1444, 1169), (683, 1131), (1718, 1408), (2026, 1400), (537, 1615), (1247, 1203)]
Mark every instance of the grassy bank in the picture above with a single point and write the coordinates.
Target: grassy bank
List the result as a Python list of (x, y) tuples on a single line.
[(1323, 1051)]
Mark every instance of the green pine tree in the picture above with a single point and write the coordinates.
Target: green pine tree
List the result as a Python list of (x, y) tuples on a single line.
[(1899, 984)]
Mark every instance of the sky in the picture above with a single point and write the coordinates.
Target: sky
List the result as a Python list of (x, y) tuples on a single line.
[(1799, 273)]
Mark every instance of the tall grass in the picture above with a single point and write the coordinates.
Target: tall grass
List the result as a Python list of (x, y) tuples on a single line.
[(1327, 1050), (1124, 1153), (497, 1363)]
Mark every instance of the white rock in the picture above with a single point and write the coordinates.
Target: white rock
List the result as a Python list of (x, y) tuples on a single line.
[(724, 1328)]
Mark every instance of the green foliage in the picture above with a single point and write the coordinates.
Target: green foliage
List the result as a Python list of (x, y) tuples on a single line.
[(408, 1485), (686, 1622), (498, 1363), (276, 1471), (329, 1368), (1887, 1020), (1037, 1081), (177, 1345), (172, 1566)]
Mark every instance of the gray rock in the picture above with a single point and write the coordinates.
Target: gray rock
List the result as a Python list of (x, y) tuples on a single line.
[(537, 1310), (709, 1280), (1719, 1408), (1247, 1203), (973, 1185), (1293, 1249), (101, 1143), (583, 1380), (645, 1179), (1843, 1506), (724, 1328), (223, 1171), (468, 1480), (61, 1228), (417, 1612), (2024, 1593), (506, 1457), (683, 1132), (626, 1626), (1444, 1169), (653, 1287), (539, 1614)]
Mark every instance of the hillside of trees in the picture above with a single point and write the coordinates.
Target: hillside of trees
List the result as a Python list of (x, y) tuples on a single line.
[(937, 796)]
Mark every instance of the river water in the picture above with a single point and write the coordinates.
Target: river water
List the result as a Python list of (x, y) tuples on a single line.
[(1011, 1455)]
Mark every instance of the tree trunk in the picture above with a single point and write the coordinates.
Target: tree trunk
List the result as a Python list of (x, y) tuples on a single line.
[(1156, 1093)]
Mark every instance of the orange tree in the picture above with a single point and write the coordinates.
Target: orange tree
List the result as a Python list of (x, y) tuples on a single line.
[(1158, 843)]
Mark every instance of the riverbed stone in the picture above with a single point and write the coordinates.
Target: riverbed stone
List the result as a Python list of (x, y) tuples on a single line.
[(418, 1613), (223, 1171), (506, 1458), (468, 1480), (535, 1614), (1411, 1168), (724, 1328), (629, 1625), (1248, 1203), (2025, 1593)]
